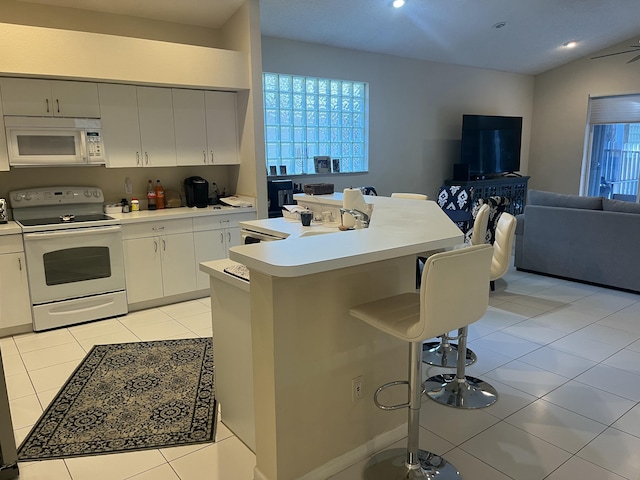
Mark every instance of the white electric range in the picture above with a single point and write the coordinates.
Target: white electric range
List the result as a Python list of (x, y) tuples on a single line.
[(73, 251)]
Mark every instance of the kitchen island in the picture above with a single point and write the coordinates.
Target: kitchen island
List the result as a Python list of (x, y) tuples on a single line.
[(306, 349)]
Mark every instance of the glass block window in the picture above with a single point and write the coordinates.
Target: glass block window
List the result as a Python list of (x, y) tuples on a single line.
[(315, 125)]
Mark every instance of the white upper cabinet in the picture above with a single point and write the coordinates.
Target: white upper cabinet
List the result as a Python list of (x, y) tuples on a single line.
[(222, 127), (47, 98), (4, 154), (120, 125), (191, 128), (157, 133), (206, 124), (137, 126)]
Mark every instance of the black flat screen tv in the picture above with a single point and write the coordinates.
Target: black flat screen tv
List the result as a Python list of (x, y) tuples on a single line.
[(491, 144)]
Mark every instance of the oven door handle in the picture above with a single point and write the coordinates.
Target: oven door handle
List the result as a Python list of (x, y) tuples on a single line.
[(71, 232)]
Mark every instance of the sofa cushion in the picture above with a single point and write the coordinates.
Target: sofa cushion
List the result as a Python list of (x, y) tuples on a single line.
[(551, 199), (620, 206)]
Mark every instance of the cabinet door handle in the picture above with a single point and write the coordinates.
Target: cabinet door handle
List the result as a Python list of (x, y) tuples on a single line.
[(164, 245), (58, 105), (229, 237), (146, 157), (137, 158), (221, 237), (20, 264), (211, 156), (47, 100), (155, 246), (204, 156)]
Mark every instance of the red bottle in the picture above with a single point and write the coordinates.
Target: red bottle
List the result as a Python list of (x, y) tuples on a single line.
[(159, 195)]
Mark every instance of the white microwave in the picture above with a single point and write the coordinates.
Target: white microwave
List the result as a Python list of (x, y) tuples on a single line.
[(52, 142)]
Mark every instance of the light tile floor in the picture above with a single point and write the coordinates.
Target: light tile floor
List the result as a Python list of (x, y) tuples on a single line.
[(564, 357)]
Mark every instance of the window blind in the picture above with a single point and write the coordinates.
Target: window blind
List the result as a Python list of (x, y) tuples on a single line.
[(614, 109)]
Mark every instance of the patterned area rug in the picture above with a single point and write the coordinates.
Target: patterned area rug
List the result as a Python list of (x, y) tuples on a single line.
[(130, 396)]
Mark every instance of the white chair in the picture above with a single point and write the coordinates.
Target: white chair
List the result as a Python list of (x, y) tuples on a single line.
[(410, 196), (454, 292), (445, 353), (502, 247), (480, 224)]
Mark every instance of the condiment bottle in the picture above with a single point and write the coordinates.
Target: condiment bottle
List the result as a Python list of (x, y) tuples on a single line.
[(135, 204), (159, 195), (151, 196)]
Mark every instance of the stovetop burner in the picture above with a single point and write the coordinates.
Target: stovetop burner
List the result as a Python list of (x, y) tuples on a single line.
[(65, 220)]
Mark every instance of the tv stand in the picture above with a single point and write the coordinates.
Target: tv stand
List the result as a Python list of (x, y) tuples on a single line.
[(512, 187)]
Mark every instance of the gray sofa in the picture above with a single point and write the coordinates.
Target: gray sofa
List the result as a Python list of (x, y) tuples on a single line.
[(590, 239)]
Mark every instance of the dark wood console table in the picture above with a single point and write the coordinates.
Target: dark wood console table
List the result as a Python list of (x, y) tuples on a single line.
[(515, 188)]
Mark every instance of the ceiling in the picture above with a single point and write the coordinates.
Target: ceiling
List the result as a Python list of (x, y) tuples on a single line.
[(458, 32)]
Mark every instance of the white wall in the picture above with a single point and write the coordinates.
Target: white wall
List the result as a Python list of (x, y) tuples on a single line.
[(560, 114), (415, 109)]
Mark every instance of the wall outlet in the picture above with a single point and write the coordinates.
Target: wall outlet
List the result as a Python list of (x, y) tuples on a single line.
[(356, 388)]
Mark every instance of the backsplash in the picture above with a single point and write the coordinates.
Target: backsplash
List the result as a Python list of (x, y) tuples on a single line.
[(112, 180)]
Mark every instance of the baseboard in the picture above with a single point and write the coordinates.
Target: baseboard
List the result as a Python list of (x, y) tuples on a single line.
[(159, 302), (352, 457)]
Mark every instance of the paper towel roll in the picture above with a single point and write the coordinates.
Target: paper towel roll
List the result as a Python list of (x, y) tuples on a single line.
[(352, 199)]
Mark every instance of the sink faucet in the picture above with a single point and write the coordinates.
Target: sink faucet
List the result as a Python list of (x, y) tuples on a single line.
[(362, 219)]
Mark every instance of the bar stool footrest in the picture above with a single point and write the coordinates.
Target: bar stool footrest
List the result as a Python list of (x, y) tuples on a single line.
[(382, 406), (469, 393), (439, 355)]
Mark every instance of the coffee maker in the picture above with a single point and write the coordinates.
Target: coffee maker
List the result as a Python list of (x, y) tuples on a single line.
[(196, 192), (280, 193)]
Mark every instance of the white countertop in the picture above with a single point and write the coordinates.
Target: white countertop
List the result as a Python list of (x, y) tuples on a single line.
[(178, 212), (398, 227), (10, 228)]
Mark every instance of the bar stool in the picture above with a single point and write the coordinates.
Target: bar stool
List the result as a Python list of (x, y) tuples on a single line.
[(454, 292), (445, 353)]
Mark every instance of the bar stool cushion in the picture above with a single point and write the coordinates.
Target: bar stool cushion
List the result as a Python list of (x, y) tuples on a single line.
[(503, 245), (447, 300)]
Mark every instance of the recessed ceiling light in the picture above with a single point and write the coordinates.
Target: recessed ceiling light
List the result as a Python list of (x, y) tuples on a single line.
[(571, 44), (398, 3), (499, 25)]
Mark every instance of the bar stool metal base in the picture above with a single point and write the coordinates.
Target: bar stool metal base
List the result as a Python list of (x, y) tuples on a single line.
[(470, 393), (391, 465), (441, 355)]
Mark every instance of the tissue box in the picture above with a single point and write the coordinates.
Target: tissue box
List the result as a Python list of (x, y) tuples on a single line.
[(318, 188)]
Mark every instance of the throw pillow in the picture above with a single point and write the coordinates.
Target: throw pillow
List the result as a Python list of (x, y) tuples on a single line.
[(551, 199)]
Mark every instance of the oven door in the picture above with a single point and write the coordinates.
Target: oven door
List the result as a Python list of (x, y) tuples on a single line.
[(74, 263)]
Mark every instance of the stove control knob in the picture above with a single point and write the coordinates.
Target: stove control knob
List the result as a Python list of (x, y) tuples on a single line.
[(87, 193), (96, 193), (17, 197), (27, 196)]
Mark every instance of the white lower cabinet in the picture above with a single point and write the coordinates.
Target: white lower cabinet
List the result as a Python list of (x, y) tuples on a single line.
[(159, 259), (213, 236), (15, 303)]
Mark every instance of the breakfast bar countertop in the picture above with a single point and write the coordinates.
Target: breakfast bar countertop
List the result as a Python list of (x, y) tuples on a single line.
[(398, 227)]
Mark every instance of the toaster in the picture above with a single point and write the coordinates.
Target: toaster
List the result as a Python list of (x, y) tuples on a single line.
[(4, 215)]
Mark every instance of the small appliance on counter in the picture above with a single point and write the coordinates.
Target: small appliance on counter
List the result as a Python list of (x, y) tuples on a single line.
[(280, 193), (4, 215), (196, 192)]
